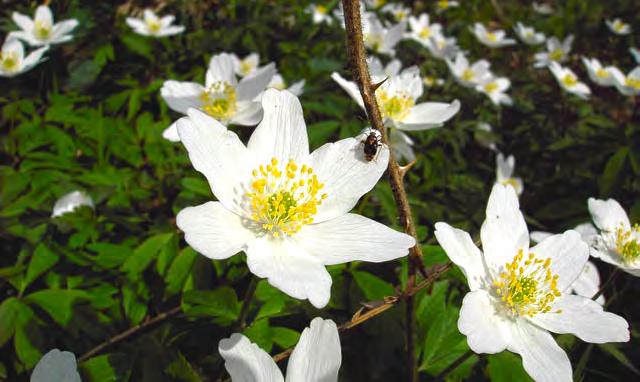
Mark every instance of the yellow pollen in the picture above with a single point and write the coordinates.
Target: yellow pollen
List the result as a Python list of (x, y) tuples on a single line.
[(492, 37), (467, 75), (321, 9), (632, 83), (284, 198), (400, 15), (374, 41), (9, 62), (628, 243), (491, 87), (510, 182), (153, 25), (42, 29), (556, 55), (527, 286), (443, 4), (618, 25), (569, 80), (246, 67), (219, 101), (602, 73), (396, 107), (425, 32)]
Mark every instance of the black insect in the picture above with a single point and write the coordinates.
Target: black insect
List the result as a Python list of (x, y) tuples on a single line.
[(371, 144)]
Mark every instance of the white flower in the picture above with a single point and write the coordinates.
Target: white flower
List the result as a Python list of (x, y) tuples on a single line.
[(430, 82), (520, 294), (397, 101), (41, 30), (277, 82), (316, 357), (628, 85), (442, 47), (320, 14), (492, 39), (618, 242), (378, 72), (618, 27), (70, 202), (401, 145), (443, 5), (597, 73), (466, 75), (285, 208), (222, 97), (379, 39), (13, 61), (422, 30), (588, 282), (58, 366), (542, 8), (504, 173), (635, 53), (398, 11), (152, 25), (373, 4), (246, 66), (528, 35), (495, 88), (485, 136), (556, 51), (569, 81)]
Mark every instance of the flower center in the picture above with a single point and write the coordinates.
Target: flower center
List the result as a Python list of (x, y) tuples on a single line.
[(400, 15), (528, 34), (618, 25), (632, 83), (396, 107), (42, 29), (374, 40), (602, 73), (443, 4), (467, 75), (569, 80), (556, 55), (219, 100), (10, 62), (510, 182), (153, 25), (321, 9), (491, 87), (492, 37), (628, 243), (425, 32), (284, 199), (527, 286), (246, 67)]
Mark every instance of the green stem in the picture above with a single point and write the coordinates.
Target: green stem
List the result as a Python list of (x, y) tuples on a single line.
[(612, 277), (246, 304)]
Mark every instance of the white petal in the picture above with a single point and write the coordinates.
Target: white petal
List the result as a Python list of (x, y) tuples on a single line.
[(58, 366), (254, 84), (282, 133), (297, 88), (317, 356), (44, 15), (24, 22), (504, 231), (568, 254), (136, 24), (486, 330), (585, 319), (180, 96), (246, 362), (171, 133), (346, 175), (401, 145), (63, 28), (34, 58), (588, 283), (464, 253), (213, 230), (608, 214), (538, 236), (353, 237), (542, 358), (249, 114), (350, 87), (221, 69), (167, 20), (171, 31), (290, 269), (219, 155), (13, 47), (429, 115), (70, 202)]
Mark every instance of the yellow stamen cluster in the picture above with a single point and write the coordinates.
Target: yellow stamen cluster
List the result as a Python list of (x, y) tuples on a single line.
[(556, 55), (9, 62), (219, 101), (527, 286), (632, 83), (42, 29), (425, 33), (569, 80), (602, 73), (627, 244), (374, 41), (395, 107), (490, 87), (283, 200), (510, 182), (467, 75), (245, 67), (321, 9), (401, 15), (618, 25), (492, 37), (153, 25), (443, 4)]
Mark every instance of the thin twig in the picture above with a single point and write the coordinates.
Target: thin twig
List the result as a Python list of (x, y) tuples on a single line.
[(613, 276), (459, 361), (130, 332), (360, 72)]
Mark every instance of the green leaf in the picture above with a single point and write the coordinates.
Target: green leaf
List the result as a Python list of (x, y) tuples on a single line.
[(43, 259), (373, 287), (134, 307), (57, 302), (506, 367), (259, 333), (181, 370), (98, 369), (9, 311), (612, 171), (221, 302), (144, 254), (180, 269), (284, 337)]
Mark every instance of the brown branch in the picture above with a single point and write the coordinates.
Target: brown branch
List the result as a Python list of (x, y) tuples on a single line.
[(130, 332), (360, 72)]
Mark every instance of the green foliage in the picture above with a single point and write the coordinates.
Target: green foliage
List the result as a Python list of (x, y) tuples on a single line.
[(91, 118)]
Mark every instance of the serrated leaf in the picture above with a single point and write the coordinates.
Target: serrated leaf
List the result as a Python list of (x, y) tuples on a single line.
[(41, 261), (57, 302), (144, 254)]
